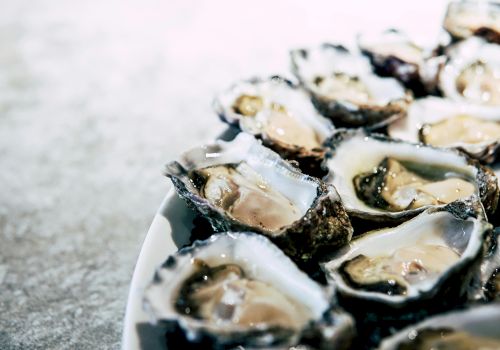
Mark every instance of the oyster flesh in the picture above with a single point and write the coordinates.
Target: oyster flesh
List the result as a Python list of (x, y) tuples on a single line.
[(473, 17), (473, 328), (238, 289), (434, 255), (242, 185), (472, 73), (445, 123), (385, 180), (344, 88), (282, 115)]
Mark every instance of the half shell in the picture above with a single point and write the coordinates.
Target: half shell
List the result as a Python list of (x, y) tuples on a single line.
[(467, 18), (242, 185), (440, 122), (344, 88), (433, 256), (357, 159), (282, 115), (238, 289)]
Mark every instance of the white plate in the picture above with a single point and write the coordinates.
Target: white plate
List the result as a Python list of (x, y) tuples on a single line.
[(170, 229)]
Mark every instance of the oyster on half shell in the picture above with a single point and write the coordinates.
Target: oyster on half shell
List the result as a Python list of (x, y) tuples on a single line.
[(394, 54), (446, 123), (435, 256), (384, 180), (467, 18), (281, 115), (239, 289), (242, 185), (344, 88), (472, 73)]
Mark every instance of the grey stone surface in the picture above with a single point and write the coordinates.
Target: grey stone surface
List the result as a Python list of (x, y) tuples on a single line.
[(94, 97)]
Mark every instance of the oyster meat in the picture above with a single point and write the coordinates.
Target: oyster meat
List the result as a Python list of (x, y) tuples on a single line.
[(467, 18), (472, 73), (435, 254), (282, 115), (220, 294), (445, 123), (473, 328), (242, 185), (344, 88), (390, 180)]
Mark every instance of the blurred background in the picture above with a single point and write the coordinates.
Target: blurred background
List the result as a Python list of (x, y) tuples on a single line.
[(95, 96)]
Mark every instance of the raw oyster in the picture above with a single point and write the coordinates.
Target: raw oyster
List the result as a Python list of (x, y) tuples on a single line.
[(282, 115), (472, 73), (238, 289), (445, 123), (434, 255), (242, 185), (344, 88), (386, 180), (467, 18), (474, 328), (394, 54)]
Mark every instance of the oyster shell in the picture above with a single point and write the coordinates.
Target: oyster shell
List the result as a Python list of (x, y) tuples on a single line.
[(384, 180), (434, 255), (474, 328), (242, 185), (238, 289), (282, 115), (467, 18), (394, 54), (344, 88), (440, 122), (472, 73)]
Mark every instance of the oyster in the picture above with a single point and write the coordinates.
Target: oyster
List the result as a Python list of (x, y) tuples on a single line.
[(344, 88), (394, 54), (385, 180), (242, 185), (434, 255), (474, 328), (467, 18), (238, 289), (472, 73), (282, 115), (445, 123)]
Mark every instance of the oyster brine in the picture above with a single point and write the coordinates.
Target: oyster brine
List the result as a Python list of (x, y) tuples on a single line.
[(344, 88), (434, 255), (238, 289), (471, 128), (242, 185), (385, 180), (282, 115)]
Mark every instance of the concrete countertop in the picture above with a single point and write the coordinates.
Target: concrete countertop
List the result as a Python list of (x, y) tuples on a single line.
[(95, 96)]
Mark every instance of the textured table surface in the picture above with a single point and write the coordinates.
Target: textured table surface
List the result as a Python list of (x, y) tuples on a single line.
[(95, 96)]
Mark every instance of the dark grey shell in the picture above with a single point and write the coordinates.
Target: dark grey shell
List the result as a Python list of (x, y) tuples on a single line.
[(324, 227)]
